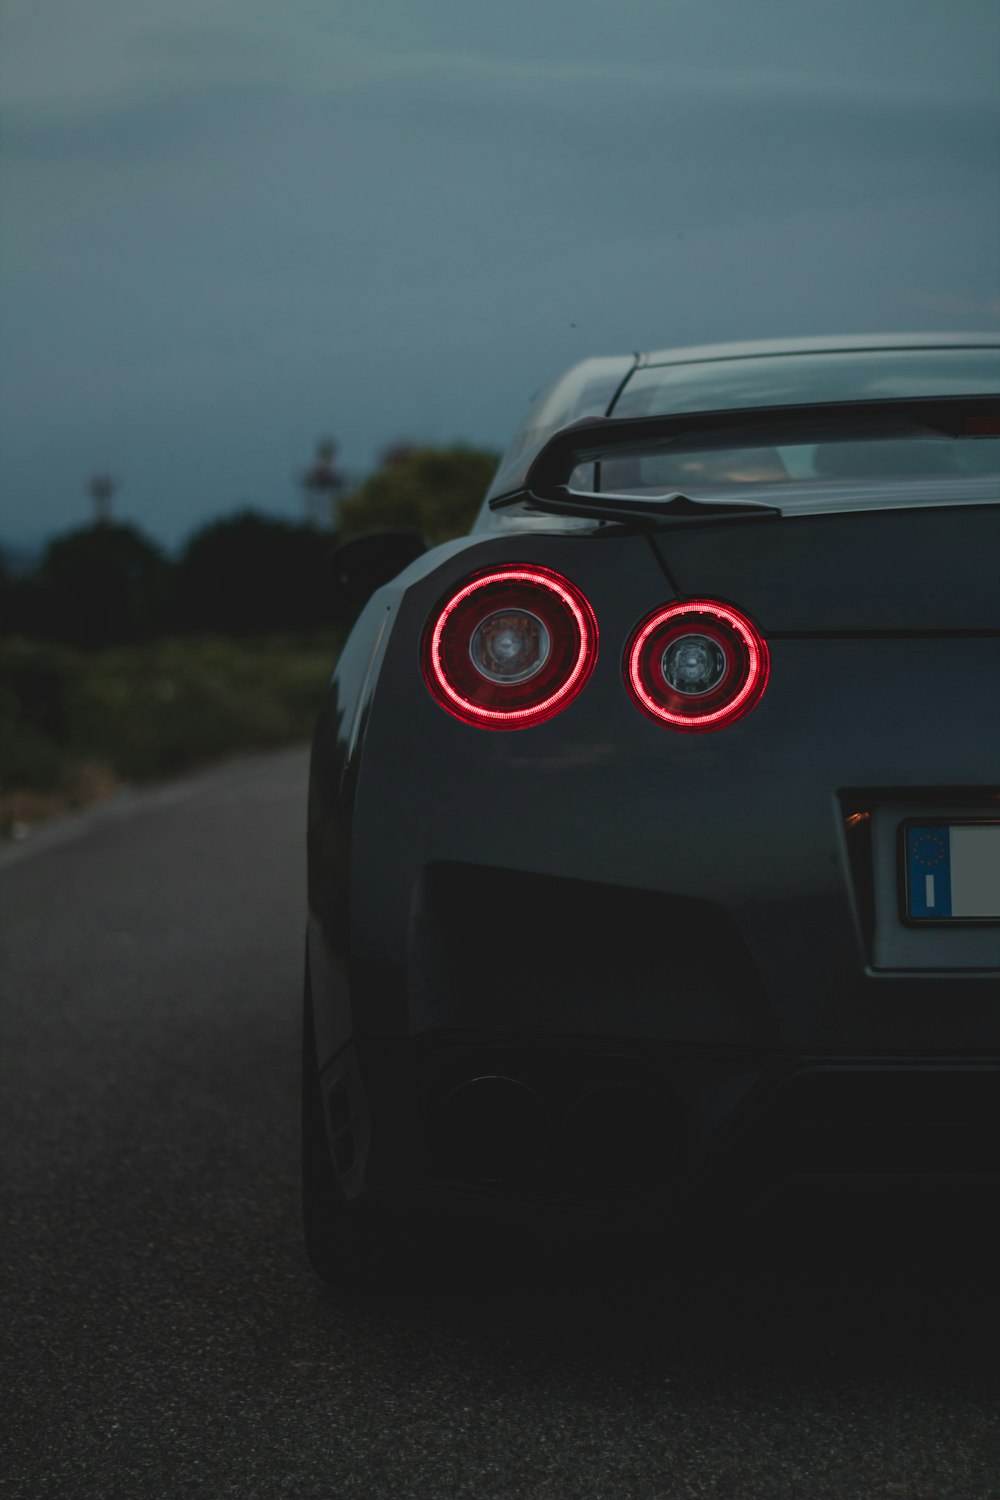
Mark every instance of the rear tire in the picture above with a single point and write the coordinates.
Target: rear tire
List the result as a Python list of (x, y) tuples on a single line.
[(345, 1241), (350, 1244)]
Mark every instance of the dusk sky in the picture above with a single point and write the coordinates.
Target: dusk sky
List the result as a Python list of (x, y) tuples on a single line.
[(231, 228)]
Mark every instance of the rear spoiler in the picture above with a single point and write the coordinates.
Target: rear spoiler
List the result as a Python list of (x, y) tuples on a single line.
[(593, 439)]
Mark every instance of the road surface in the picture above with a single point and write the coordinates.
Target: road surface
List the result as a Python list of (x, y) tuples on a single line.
[(164, 1336)]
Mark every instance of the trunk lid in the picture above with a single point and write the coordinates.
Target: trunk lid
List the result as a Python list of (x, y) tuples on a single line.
[(934, 570)]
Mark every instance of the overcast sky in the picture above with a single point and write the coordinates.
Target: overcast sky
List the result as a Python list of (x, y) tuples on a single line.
[(230, 228)]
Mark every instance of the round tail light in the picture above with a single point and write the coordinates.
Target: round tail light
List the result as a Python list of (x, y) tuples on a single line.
[(696, 666), (510, 648)]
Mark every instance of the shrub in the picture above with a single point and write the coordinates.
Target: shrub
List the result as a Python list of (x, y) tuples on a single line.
[(149, 711)]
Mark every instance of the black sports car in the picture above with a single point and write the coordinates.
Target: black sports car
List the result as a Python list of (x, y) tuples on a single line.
[(654, 827)]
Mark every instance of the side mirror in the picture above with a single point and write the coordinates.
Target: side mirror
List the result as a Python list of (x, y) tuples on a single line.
[(360, 566)]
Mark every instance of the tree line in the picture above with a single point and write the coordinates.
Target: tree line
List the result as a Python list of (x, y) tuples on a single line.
[(110, 584)]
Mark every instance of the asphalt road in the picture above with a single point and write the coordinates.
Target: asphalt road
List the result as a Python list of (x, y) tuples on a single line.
[(163, 1335)]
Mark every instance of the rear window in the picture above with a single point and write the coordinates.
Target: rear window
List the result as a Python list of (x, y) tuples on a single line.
[(690, 472), (782, 380)]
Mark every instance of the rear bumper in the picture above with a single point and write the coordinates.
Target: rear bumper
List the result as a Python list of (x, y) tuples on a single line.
[(619, 1137)]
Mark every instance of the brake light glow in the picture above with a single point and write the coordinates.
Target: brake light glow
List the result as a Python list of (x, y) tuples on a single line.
[(697, 665), (511, 648)]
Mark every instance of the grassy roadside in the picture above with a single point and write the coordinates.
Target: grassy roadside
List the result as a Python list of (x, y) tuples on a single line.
[(76, 725)]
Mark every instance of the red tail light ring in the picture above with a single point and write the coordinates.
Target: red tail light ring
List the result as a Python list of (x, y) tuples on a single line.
[(697, 666), (511, 648)]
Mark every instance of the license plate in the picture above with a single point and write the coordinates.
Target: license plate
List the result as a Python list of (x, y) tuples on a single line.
[(952, 871)]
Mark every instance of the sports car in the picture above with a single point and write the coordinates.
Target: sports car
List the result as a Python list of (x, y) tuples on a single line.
[(654, 825)]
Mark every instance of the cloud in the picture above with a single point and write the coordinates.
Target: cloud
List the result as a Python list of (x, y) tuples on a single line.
[(226, 219), (945, 304)]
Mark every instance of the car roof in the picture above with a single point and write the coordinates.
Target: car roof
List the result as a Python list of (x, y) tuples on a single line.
[(835, 344)]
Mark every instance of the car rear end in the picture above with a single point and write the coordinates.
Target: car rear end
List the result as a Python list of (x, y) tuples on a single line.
[(606, 969)]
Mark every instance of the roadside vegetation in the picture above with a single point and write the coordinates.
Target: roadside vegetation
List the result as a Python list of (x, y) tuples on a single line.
[(120, 665)]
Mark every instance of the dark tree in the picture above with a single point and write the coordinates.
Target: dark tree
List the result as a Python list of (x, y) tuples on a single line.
[(23, 604), (254, 573), (102, 585), (433, 490)]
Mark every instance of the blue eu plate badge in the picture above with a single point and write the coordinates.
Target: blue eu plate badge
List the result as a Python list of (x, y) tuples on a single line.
[(928, 870)]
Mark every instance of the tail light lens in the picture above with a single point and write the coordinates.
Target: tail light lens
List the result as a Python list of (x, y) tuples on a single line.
[(510, 648), (696, 666)]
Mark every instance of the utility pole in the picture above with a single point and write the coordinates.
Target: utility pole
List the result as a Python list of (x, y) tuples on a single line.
[(102, 489), (322, 482)]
